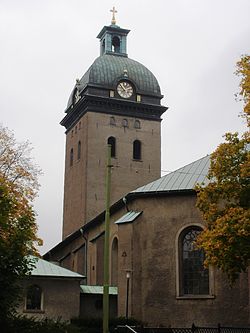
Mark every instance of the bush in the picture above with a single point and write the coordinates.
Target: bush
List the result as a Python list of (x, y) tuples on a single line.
[(22, 324), (94, 325)]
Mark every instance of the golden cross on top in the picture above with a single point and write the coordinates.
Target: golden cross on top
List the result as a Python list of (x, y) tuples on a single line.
[(113, 11)]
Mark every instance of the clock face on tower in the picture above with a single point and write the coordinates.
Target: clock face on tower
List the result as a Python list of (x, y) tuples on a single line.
[(124, 89)]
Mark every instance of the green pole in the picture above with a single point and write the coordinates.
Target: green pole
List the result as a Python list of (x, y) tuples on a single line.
[(106, 246)]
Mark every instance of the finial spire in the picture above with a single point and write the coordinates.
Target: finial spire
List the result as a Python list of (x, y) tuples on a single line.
[(113, 11)]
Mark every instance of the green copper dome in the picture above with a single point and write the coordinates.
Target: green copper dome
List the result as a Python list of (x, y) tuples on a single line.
[(108, 69), (113, 66)]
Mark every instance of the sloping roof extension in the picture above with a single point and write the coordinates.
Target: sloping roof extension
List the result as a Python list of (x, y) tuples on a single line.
[(184, 178), (97, 290), (128, 217), (45, 268)]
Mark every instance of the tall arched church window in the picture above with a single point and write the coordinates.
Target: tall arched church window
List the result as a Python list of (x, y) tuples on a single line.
[(112, 142), (137, 150), (34, 298), (114, 262), (115, 44), (79, 147), (71, 157), (194, 277)]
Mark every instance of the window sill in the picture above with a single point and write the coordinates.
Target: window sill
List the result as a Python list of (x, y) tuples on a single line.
[(188, 297), (33, 311), (134, 160)]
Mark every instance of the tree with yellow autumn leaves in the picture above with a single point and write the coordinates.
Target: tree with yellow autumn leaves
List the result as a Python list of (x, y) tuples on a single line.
[(225, 201), (18, 229)]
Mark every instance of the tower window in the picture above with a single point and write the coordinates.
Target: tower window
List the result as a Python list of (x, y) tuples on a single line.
[(112, 142), (137, 124), (194, 277), (112, 121), (125, 122), (115, 44), (71, 158), (137, 150), (111, 93), (79, 150), (138, 98)]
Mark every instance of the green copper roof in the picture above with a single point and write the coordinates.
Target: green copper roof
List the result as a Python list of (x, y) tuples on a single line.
[(128, 217), (108, 69), (47, 269), (97, 290), (184, 178)]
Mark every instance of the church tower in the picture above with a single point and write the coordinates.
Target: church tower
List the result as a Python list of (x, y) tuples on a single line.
[(117, 101)]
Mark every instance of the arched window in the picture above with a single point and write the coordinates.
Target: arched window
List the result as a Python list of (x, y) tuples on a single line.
[(112, 121), (112, 142), (79, 150), (34, 298), (71, 158), (137, 150), (194, 277), (137, 124), (115, 44), (125, 122), (114, 262)]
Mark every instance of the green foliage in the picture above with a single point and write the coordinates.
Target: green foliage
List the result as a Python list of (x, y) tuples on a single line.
[(22, 324), (15, 236), (18, 230), (16, 164), (243, 70), (225, 201), (94, 325)]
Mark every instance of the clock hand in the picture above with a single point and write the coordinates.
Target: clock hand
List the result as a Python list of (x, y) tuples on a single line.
[(123, 86)]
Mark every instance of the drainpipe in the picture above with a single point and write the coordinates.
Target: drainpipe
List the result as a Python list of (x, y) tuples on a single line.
[(86, 253)]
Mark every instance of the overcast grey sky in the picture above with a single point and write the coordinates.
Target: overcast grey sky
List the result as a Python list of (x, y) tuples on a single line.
[(191, 46)]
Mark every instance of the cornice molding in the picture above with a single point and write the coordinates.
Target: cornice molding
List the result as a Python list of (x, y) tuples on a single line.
[(90, 103)]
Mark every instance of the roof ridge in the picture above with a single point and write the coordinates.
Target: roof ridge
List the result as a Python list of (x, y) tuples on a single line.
[(51, 266), (191, 163), (170, 176)]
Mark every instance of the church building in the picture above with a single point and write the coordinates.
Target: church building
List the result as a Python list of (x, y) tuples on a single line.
[(157, 275)]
